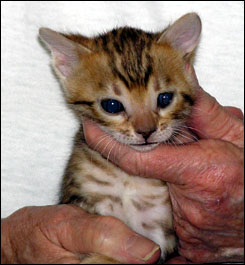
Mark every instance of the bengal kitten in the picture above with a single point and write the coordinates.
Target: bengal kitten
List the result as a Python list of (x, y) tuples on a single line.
[(136, 86)]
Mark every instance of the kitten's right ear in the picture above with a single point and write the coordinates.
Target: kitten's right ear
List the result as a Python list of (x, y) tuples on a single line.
[(66, 53)]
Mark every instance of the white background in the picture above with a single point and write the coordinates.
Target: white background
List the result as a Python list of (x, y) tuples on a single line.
[(37, 127)]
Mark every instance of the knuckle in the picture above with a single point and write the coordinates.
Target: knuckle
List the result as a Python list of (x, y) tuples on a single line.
[(58, 221), (61, 213), (213, 107)]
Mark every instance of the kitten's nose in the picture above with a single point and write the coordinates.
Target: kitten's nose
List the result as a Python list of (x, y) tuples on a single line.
[(144, 123), (146, 134)]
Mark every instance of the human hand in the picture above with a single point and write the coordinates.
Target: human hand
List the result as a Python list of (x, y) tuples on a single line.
[(205, 179), (60, 234)]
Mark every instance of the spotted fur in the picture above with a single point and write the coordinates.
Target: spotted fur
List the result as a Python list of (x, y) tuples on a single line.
[(133, 67)]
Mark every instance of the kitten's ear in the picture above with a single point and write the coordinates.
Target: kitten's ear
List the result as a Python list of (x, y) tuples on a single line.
[(184, 34), (66, 53)]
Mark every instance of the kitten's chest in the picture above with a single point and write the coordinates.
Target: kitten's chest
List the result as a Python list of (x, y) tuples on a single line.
[(120, 194), (141, 203), (132, 199)]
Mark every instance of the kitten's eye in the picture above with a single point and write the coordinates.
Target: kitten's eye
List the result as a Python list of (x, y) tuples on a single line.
[(112, 105), (164, 99)]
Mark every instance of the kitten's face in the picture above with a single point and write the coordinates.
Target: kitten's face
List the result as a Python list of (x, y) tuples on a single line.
[(135, 85), (134, 113)]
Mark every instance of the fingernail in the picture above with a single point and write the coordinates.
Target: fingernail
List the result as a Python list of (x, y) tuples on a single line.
[(141, 248)]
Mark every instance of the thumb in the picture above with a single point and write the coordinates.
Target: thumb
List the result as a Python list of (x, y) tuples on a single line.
[(166, 162), (87, 233), (210, 120)]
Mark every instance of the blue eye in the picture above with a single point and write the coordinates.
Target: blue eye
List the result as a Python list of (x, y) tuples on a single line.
[(164, 99), (112, 105)]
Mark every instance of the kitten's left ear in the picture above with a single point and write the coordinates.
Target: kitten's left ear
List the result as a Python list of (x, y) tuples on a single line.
[(184, 34)]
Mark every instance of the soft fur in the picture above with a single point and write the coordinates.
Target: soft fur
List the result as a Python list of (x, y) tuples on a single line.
[(133, 67), (37, 127)]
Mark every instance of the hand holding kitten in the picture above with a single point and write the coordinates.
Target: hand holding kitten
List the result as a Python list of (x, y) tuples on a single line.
[(206, 180), (54, 234), (138, 87)]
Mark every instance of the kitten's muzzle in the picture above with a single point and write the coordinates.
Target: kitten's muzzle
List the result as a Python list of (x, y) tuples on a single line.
[(146, 134), (144, 147)]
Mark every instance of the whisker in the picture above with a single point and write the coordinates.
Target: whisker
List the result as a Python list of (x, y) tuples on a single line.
[(178, 132), (186, 135), (191, 128), (102, 138), (106, 146), (176, 138), (108, 156), (171, 141)]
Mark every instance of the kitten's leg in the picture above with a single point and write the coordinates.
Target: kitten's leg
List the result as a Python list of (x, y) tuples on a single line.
[(98, 259)]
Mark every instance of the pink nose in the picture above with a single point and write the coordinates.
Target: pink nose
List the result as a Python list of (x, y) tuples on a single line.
[(146, 134)]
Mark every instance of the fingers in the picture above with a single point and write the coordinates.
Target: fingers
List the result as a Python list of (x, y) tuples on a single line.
[(202, 255), (213, 121), (235, 111), (61, 233), (165, 162), (85, 233), (209, 119)]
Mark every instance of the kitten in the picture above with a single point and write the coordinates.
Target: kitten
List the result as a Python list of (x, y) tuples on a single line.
[(136, 86)]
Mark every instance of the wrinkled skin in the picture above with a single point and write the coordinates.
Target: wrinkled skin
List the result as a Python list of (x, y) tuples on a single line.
[(205, 180), (56, 234), (206, 184)]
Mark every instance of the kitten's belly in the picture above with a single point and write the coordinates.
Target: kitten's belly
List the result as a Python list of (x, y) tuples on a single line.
[(143, 204), (144, 207)]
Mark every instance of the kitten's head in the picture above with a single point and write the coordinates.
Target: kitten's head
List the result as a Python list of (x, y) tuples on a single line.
[(136, 85)]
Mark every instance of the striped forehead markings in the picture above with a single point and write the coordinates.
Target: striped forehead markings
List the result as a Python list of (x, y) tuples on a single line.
[(129, 47)]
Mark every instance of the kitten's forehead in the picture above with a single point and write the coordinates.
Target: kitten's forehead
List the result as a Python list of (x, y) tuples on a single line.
[(133, 55), (127, 60), (129, 54)]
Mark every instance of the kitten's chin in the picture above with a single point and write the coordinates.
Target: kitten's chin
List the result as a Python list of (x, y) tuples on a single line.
[(144, 148)]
